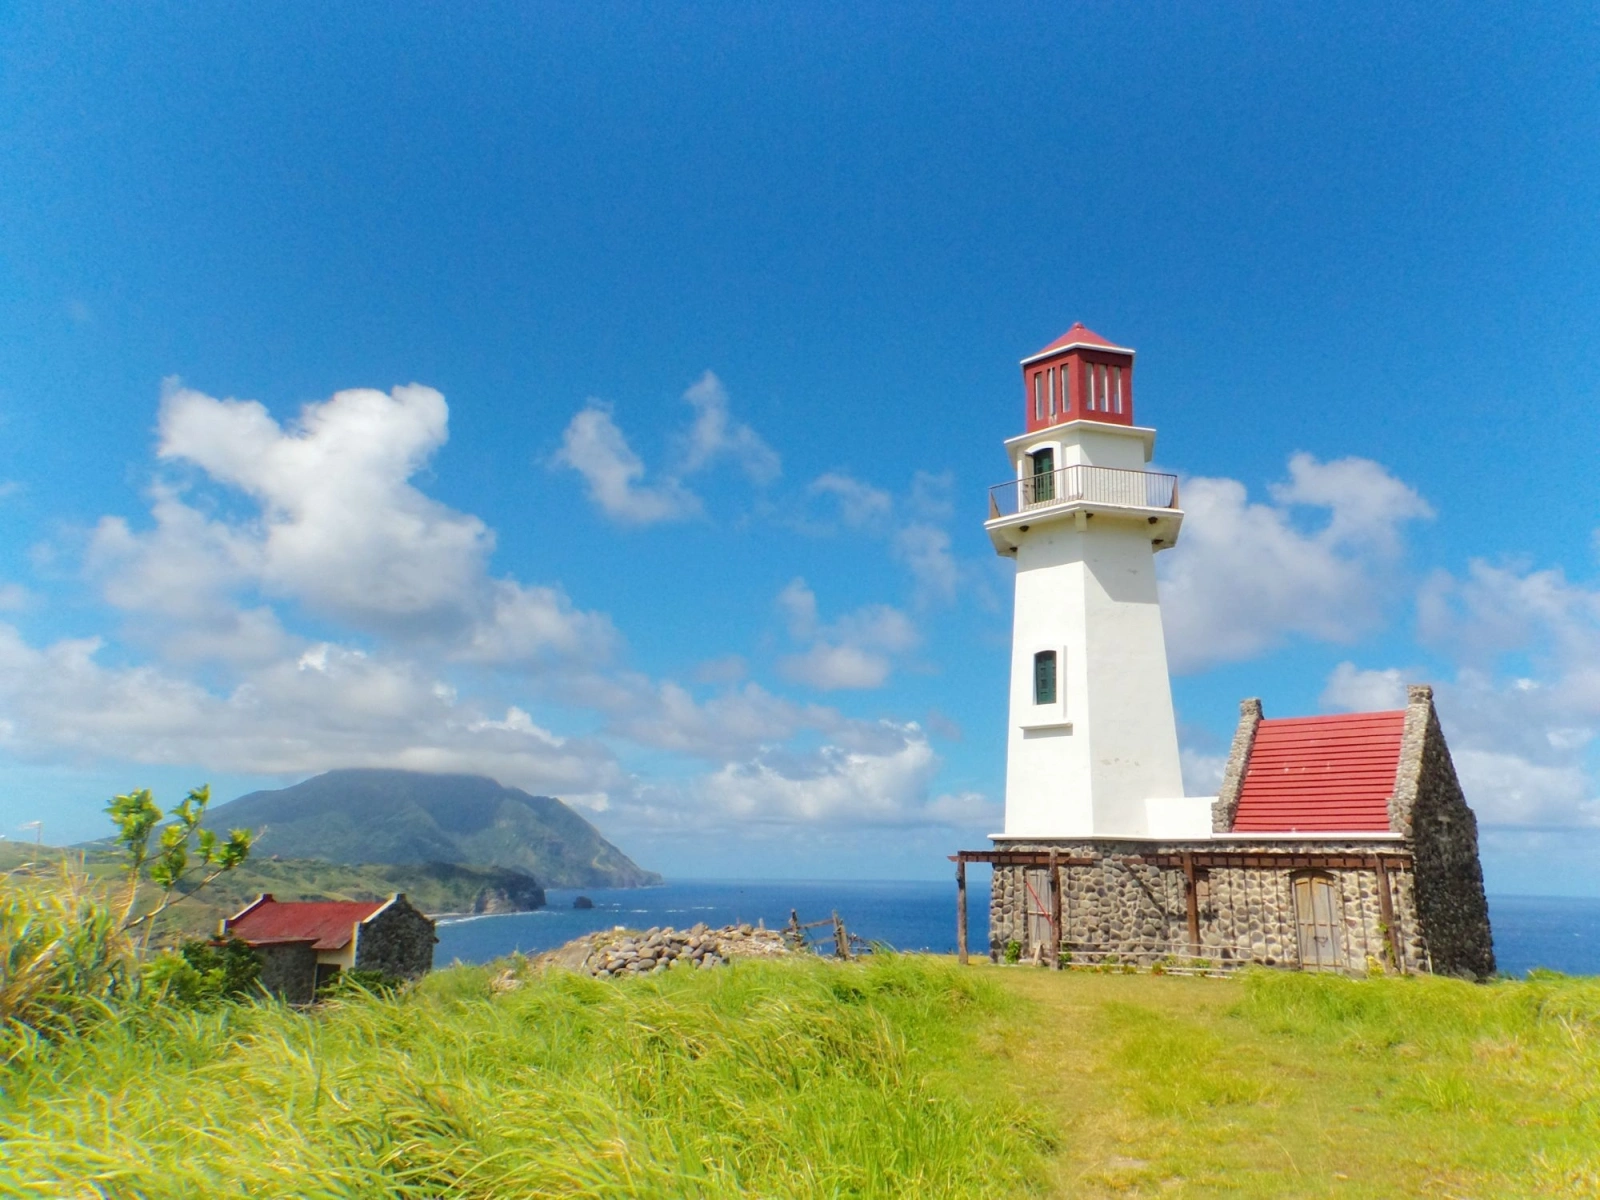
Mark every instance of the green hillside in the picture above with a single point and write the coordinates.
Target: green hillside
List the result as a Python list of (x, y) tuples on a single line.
[(435, 888), (401, 817)]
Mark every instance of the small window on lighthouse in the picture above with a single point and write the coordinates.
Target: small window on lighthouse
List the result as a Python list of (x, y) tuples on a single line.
[(1051, 388), (1116, 388), (1038, 395), (1044, 677)]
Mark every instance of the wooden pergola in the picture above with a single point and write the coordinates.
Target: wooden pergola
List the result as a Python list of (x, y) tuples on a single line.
[(1190, 862)]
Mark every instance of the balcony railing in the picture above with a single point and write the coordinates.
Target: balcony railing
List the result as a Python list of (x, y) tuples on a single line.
[(1093, 485)]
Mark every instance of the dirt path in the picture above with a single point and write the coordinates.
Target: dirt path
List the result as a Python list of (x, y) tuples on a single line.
[(1058, 1057)]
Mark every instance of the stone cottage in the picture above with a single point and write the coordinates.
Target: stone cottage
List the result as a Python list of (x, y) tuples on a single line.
[(1336, 842), (304, 944)]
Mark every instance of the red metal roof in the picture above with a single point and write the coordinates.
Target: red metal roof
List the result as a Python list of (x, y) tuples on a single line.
[(1075, 336), (1321, 774), (329, 923)]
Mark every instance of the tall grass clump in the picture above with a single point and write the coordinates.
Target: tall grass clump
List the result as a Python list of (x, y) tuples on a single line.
[(64, 960), (790, 1079)]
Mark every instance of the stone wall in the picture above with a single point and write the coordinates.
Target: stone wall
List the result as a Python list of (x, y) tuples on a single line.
[(1244, 739), (289, 970), (1429, 807), (1139, 911), (397, 940)]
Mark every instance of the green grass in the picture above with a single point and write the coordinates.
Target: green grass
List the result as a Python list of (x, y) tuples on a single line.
[(793, 1079), (904, 1076), (1283, 1084)]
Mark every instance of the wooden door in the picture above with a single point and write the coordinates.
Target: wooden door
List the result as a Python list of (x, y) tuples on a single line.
[(1316, 913), (1038, 897)]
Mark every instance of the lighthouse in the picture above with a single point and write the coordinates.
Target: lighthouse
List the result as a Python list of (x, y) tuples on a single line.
[(1335, 842), (1092, 743)]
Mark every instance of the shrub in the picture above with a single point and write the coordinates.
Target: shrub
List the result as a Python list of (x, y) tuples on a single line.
[(168, 864), (201, 974), (63, 957), (1013, 953)]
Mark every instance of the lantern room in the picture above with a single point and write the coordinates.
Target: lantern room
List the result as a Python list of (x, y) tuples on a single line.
[(1078, 377)]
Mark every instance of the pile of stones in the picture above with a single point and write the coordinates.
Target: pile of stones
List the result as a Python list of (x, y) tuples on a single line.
[(613, 955)]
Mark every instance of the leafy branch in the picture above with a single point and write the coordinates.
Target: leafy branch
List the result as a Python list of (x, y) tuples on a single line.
[(168, 862)]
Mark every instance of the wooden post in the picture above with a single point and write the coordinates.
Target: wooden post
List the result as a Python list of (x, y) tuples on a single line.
[(961, 911), (1191, 896), (1386, 911), (841, 939), (1055, 913)]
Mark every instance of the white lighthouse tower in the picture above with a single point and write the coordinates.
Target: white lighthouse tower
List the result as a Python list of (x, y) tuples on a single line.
[(1092, 745)]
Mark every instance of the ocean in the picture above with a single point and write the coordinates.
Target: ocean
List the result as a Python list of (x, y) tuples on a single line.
[(1530, 932)]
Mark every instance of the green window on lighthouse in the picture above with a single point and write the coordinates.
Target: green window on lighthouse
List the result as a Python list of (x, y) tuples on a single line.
[(1044, 677)]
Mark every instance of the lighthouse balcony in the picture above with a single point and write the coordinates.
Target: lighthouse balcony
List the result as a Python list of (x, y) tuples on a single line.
[(1081, 492)]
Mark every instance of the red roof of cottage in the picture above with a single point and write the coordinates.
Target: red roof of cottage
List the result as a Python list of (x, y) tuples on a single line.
[(1321, 774), (329, 923), (1076, 336)]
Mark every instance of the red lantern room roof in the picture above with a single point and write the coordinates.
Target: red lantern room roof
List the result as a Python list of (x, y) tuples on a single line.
[(1078, 335), (1078, 377)]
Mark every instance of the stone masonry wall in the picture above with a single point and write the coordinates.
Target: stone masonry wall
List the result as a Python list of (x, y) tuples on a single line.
[(398, 941), (1140, 912), (289, 970), (1244, 739), (1430, 808)]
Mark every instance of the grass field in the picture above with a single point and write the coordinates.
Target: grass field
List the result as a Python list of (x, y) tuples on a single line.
[(786, 1080), (1299, 1085), (907, 1076)]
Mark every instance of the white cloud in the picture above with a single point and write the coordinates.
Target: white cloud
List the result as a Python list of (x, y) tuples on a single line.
[(1353, 690), (856, 651), (1521, 706), (524, 624), (595, 448), (13, 597), (931, 495), (1244, 577), (798, 604), (338, 529), (861, 506), (725, 668), (342, 530), (925, 549), (330, 706), (882, 785), (715, 435), (832, 668), (1508, 789), (734, 724), (915, 539)]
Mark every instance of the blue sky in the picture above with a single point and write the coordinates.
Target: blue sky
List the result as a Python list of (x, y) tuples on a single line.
[(713, 318)]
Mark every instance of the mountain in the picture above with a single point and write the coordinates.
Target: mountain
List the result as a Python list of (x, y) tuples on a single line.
[(383, 816)]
